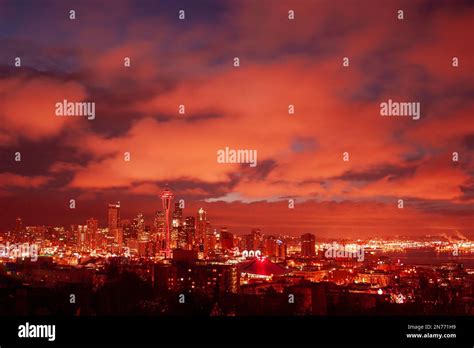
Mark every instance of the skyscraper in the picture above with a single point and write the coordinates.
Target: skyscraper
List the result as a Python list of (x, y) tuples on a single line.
[(128, 230), (91, 237), (139, 227), (166, 198), (113, 215), (274, 247), (159, 230), (114, 224), (178, 237), (308, 245), (226, 239), (201, 225), (190, 230), (81, 238), (270, 246)]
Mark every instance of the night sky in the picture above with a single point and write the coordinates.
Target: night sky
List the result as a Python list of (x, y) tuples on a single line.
[(282, 62)]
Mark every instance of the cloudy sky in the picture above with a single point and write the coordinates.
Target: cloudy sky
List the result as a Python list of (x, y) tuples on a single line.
[(282, 62)]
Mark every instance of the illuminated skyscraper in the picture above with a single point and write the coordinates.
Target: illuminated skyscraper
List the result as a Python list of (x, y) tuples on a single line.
[(201, 226), (308, 245), (115, 235), (270, 246), (274, 247), (113, 215), (178, 237), (91, 237), (190, 230), (166, 198), (127, 228), (226, 239), (159, 221), (139, 227), (81, 237), (118, 239)]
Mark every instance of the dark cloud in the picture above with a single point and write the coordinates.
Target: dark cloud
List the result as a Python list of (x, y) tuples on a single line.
[(383, 171), (302, 144)]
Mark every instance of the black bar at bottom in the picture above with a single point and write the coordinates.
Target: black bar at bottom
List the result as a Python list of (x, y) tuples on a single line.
[(244, 330)]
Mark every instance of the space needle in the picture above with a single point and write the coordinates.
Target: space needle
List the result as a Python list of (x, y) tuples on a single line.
[(166, 198)]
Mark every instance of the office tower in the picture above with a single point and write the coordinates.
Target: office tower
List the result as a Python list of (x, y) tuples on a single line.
[(158, 234), (178, 237), (274, 247), (113, 215), (91, 238), (308, 245), (139, 227), (201, 225), (166, 198), (190, 231), (81, 237), (281, 249), (270, 246), (127, 228), (210, 242), (118, 238), (101, 239), (226, 239)]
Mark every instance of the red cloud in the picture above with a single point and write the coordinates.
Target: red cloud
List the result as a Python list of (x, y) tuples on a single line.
[(28, 106), (14, 180)]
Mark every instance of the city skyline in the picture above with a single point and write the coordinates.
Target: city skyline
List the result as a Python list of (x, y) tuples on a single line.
[(207, 166), (187, 223), (305, 92), (103, 220)]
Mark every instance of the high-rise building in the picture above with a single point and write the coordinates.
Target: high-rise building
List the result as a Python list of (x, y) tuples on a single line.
[(274, 247), (210, 242), (139, 227), (281, 249), (226, 239), (271, 246), (113, 216), (308, 245), (201, 226), (158, 234), (252, 241), (80, 232), (91, 237), (118, 238), (190, 230), (166, 198), (128, 230), (178, 237)]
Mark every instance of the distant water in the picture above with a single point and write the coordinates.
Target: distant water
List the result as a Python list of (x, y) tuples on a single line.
[(433, 258)]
